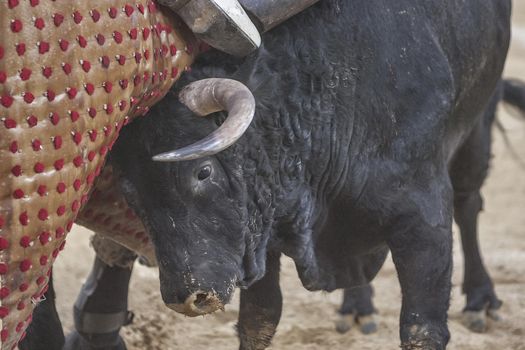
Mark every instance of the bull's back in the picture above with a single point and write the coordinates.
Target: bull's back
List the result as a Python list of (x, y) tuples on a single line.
[(476, 50), (391, 79)]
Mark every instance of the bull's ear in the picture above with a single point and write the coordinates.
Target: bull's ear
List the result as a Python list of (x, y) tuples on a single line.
[(208, 96)]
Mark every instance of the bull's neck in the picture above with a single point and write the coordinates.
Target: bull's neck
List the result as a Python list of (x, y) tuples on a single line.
[(302, 155)]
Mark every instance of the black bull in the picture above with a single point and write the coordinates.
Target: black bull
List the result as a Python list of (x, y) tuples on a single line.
[(370, 134)]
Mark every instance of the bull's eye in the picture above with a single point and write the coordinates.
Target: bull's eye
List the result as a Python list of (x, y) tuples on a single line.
[(204, 173)]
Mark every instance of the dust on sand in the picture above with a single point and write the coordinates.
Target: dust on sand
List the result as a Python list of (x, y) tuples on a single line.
[(307, 321)]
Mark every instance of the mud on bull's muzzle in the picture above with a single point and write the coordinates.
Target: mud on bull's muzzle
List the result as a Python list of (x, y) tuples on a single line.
[(202, 291), (198, 303)]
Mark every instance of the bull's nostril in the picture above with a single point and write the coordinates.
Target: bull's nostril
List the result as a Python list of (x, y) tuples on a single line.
[(202, 300)]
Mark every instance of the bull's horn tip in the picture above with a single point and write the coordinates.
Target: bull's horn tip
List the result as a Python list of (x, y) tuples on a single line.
[(160, 158)]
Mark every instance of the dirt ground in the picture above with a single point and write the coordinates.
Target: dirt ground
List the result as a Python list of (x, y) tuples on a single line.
[(307, 321)]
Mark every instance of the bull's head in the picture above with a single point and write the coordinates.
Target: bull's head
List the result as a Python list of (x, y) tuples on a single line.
[(194, 203)]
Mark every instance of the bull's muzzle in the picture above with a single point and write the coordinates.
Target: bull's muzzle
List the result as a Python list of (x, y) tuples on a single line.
[(198, 304)]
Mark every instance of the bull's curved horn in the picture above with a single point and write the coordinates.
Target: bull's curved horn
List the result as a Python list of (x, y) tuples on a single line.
[(212, 95)]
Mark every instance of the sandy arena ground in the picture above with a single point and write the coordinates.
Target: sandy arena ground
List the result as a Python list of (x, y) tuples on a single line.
[(307, 321)]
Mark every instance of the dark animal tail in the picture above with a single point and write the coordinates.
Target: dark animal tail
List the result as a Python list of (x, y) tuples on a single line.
[(514, 94)]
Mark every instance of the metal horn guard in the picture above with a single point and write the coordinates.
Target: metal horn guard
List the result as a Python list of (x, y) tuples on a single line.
[(226, 26), (222, 24)]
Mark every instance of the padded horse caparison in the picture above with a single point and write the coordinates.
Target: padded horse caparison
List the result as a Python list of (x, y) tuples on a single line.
[(233, 26), (72, 73)]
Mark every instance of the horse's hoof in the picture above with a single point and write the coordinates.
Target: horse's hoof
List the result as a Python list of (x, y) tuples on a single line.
[(75, 341)]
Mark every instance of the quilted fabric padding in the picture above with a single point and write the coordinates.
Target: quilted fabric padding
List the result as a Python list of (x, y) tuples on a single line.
[(72, 73), (108, 214)]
